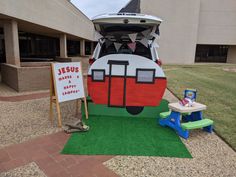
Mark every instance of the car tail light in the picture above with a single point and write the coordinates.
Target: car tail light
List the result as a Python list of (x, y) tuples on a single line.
[(91, 61), (159, 62)]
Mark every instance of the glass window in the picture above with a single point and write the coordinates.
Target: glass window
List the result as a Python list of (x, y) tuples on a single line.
[(211, 53), (88, 48), (34, 47), (2, 47), (145, 75), (73, 48), (98, 75)]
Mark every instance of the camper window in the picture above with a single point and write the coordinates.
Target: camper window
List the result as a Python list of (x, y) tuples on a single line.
[(98, 75), (145, 75)]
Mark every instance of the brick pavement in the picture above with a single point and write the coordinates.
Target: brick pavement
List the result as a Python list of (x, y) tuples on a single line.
[(45, 152)]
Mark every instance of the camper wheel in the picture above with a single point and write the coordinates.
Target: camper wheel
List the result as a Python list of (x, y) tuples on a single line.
[(134, 110)]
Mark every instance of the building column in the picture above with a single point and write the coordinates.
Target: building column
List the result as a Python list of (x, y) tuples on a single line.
[(12, 42), (63, 46), (231, 57), (82, 47), (92, 47)]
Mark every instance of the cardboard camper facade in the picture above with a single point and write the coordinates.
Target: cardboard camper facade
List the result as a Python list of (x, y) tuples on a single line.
[(124, 70)]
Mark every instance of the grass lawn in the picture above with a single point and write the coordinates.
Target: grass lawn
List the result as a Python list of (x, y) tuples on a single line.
[(216, 88)]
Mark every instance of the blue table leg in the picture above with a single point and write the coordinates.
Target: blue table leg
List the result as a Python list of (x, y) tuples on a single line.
[(208, 129), (173, 121), (183, 133), (194, 116)]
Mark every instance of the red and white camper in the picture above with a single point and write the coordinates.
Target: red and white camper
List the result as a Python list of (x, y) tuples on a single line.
[(125, 69)]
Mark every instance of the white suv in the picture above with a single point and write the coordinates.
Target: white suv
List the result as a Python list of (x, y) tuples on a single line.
[(125, 69)]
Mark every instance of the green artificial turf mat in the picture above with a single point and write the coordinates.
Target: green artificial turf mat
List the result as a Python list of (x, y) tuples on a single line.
[(111, 134), (104, 110)]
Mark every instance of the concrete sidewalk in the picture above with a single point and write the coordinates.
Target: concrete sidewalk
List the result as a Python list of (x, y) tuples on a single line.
[(10, 95)]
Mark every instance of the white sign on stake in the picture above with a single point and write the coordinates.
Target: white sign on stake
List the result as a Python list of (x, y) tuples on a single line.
[(68, 81), (66, 84)]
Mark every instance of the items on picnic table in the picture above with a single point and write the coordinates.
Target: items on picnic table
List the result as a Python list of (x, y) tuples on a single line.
[(186, 102), (190, 94), (189, 97), (78, 126)]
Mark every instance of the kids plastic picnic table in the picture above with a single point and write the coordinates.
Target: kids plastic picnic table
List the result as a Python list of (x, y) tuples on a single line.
[(182, 119)]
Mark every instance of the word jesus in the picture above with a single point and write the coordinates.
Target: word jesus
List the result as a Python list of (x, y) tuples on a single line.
[(68, 70)]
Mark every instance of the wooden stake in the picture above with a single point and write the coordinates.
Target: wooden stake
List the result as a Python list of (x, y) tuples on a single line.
[(86, 107), (85, 100), (77, 107), (58, 113), (51, 97), (54, 98)]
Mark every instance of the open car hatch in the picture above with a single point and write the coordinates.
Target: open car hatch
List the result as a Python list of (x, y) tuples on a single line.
[(121, 24)]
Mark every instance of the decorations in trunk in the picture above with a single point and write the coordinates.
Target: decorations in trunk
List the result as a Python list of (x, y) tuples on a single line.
[(147, 38)]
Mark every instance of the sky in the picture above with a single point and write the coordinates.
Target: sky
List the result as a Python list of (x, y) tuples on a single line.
[(92, 8)]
